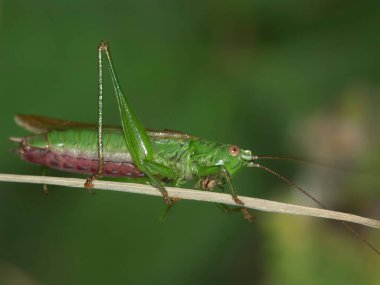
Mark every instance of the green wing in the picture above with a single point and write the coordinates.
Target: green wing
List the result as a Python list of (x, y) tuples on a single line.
[(40, 124)]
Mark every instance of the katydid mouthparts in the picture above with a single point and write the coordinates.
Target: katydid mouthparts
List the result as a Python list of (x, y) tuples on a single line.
[(132, 152)]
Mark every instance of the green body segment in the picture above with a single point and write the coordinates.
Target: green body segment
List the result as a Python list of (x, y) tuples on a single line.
[(184, 155)]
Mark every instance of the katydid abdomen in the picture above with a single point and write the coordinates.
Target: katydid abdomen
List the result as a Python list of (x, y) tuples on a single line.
[(75, 150)]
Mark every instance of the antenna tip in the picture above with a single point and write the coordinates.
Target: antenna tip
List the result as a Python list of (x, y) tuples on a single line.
[(103, 46)]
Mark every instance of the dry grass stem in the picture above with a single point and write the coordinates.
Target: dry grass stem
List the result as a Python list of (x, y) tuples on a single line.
[(191, 194)]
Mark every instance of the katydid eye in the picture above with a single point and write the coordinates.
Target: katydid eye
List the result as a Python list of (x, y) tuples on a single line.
[(234, 150)]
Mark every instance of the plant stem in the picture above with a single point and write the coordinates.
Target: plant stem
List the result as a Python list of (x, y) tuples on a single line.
[(191, 194)]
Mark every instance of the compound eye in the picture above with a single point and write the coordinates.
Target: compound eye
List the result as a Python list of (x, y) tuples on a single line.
[(234, 150)]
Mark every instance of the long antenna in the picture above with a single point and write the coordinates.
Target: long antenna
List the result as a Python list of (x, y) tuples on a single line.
[(309, 161), (288, 158), (319, 203)]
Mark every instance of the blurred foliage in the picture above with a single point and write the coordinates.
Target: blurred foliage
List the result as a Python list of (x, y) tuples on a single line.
[(292, 77)]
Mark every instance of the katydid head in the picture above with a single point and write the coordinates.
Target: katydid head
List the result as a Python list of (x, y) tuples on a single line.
[(236, 159), (210, 153)]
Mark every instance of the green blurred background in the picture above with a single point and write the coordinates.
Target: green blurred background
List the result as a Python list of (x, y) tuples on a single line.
[(292, 77)]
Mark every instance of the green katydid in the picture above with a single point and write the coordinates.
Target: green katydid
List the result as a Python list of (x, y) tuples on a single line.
[(133, 152), (130, 151)]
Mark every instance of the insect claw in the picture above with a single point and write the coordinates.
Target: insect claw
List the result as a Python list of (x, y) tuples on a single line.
[(168, 201), (247, 215), (168, 207), (89, 185), (238, 201)]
